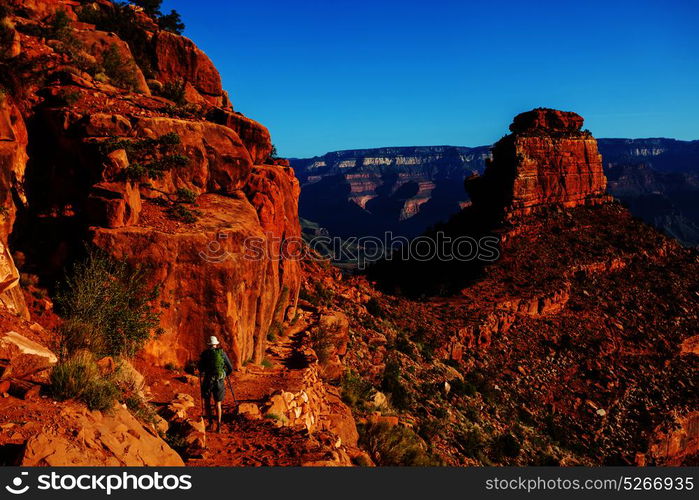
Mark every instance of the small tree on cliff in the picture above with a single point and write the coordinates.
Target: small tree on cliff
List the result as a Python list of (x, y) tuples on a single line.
[(107, 309), (171, 22), (168, 22)]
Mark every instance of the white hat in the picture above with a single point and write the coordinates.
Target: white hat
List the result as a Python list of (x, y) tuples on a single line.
[(213, 340)]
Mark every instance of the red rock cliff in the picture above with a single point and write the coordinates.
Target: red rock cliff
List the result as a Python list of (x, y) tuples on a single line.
[(174, 180)]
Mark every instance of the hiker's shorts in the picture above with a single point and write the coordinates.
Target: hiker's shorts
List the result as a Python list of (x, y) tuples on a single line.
[(215, 388)]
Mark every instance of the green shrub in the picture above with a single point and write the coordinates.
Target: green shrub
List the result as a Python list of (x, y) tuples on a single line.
[(184, 214), (60, 27), (274, 331), (355, 390), (120, 19), (321, 338), (148, 158), (175, 91), (505, 446), (185, 195), (107, 308), (139, 408), (150, 7), (68, 97), (471, 441), (121, 72), (78, 377), (171, 22), (393, 383), (395, 446)]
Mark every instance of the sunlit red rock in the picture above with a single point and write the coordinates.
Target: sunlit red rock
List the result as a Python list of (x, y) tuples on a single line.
[(547, 161)]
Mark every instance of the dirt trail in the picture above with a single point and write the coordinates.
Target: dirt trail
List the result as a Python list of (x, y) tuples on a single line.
[(244, 442)]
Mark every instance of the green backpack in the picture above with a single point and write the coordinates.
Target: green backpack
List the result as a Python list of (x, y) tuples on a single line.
[(219, 364)]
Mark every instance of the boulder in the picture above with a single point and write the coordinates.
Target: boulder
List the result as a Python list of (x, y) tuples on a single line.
[(178, 408), (90, 438), (206, 270), (690, 346), (114, 204), (177, 59), (25, 356), (254, 135), (249, 411)]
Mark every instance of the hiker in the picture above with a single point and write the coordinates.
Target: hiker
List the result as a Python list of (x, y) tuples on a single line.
[(214, 367)]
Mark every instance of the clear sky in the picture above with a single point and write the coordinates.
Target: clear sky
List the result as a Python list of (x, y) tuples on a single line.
[(329, 75)]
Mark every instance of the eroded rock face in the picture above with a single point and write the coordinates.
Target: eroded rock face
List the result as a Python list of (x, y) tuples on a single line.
[(13, 160), (254, 135), (178, 59), (208, 284), (546, 161), (96, 43)]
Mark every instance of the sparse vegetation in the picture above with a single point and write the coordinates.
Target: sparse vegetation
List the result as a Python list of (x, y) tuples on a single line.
[(373, 307), (274, 331), (185, 195), (396, 446), (184, 214), (121, 71), (393, 384), (68, 97), (78, 377), (355, 390), (318, 295), (121, 19), (175, 91), (140, 409), (148, 158), (106, 305), (321, 337), (169, 22)]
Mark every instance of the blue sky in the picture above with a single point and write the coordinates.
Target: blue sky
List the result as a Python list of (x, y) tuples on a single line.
[(330, 75)]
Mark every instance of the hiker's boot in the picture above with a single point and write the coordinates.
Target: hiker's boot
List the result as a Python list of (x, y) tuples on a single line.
[(218, 427)]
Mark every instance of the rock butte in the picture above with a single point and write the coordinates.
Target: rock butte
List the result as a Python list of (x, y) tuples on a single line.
[(546, 161)]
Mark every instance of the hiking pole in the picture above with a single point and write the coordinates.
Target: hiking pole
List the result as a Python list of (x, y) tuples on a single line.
[(201, 396), (230, 386)]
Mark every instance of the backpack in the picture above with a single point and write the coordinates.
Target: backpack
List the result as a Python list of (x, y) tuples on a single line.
[(215, 364)]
